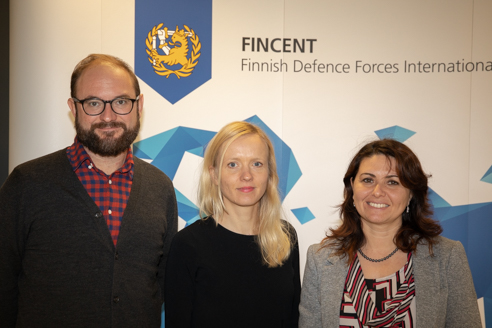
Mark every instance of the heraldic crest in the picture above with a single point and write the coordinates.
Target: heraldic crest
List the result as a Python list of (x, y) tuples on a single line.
[(176, 50)]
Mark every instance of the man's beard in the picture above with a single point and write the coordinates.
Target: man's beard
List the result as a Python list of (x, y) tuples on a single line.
[(108, 145)]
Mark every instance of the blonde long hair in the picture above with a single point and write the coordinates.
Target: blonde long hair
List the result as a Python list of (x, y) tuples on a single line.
[(274, 237)]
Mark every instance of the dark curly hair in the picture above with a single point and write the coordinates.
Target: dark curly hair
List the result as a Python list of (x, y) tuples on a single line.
[(417, 225)]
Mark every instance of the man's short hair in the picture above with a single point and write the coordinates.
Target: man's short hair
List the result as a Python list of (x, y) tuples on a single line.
[(97, 58)]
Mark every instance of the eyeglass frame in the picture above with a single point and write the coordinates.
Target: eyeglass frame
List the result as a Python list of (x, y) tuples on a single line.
[(110, 102)]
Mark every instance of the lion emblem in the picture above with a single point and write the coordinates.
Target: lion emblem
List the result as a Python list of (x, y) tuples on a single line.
[(175, 46)]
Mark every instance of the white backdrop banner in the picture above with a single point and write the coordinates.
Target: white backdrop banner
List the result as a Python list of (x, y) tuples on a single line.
[(321, 77)]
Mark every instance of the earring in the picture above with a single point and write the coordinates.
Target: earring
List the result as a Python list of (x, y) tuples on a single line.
[(354, 204), (408, 209)]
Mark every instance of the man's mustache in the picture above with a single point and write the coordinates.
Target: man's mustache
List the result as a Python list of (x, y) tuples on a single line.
[(102, 125)]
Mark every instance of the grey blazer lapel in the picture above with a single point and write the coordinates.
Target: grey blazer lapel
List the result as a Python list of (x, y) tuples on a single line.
[(427, 282), (335, 273)]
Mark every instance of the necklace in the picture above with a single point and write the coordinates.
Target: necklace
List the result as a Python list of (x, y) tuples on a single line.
[(377, 260)]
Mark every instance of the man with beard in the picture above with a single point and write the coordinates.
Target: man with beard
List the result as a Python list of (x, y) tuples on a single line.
[(85, 231)]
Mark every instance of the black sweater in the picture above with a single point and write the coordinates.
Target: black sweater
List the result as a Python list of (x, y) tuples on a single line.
[(216, 278), (58, 264)]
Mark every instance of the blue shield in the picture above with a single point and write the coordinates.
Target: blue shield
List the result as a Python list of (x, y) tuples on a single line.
[(173, 41)]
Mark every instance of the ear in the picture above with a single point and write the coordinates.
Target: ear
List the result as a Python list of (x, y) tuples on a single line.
[(411, 196), (73, 108), (213, 174), (140, 104)]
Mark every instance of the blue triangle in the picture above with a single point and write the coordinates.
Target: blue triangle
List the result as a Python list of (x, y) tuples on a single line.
[(303, 214), (436, 200), (395, 132), (202, 136), (196, 151), (153, 145), (183, 199), (487, 177)]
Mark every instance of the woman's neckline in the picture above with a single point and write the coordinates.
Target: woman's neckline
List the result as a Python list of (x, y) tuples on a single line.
[(235, 233)]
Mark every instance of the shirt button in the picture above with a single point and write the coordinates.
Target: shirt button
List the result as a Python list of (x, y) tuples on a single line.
[(116, 299), (110, 182), (109, 212)]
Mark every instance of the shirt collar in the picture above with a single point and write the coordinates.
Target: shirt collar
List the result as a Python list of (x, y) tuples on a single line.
[(77, 156)]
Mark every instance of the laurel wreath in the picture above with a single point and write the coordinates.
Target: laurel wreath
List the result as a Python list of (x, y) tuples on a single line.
[(187, 68)]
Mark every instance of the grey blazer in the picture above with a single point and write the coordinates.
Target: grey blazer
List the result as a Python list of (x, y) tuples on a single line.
[(445, 295)]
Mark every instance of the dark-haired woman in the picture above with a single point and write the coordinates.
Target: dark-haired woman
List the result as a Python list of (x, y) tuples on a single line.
[(386, 265)]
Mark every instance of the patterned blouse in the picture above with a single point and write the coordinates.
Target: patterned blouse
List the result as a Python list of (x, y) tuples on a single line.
[(384, 302)]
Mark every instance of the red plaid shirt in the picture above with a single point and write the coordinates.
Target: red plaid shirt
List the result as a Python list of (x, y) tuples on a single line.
[(109, 192)]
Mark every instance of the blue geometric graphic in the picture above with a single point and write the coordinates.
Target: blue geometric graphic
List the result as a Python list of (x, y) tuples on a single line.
[(437, 201), (287, 168), (186, 209), (395, 132), (303, 214), (487, 176), (470, 224), (166, 150)]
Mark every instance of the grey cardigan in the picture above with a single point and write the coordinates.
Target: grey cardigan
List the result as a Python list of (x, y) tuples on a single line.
[(445, 295), (58, 264)]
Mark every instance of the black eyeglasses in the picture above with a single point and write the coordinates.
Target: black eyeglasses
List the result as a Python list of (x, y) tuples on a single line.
[(95, 106)]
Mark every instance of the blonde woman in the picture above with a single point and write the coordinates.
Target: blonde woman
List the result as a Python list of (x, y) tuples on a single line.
[(239, 265)]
